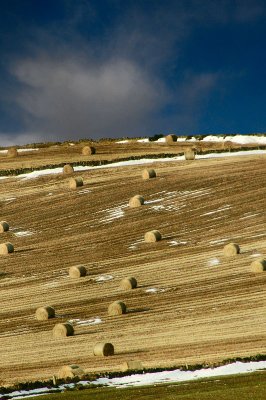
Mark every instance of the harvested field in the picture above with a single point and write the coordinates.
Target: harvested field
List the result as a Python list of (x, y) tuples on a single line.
[(192, 304)]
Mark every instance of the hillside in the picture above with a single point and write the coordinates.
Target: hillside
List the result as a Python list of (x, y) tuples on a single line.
[(192, 304)]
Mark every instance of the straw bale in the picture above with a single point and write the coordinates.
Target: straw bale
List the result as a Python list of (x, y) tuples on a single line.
[(258, 265), (132, 366), (12, 152), (75, 182), (68, 169), (136, 201), (70, 371), (63, 330), (103, 349), (152, 236), (148, 174), (128, 283), (88, 150), (44, 313), (4, 227), (77, 271), (6, 248), (231, 250), (189, 154), (117, 308)]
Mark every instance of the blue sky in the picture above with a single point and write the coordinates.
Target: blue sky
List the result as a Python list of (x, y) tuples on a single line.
[(72, 69)]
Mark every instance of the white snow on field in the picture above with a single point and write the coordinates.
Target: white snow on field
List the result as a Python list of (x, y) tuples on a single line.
[(219, 241), (36, 174), (123, 141), (112, 214), (104, 278), (213, 261), (19, 151), (87, 322), (134, 245), (176, 243), (241, 139), (23, 233), (155, 290), (153, 378), (249, 215), (145, 140), (220, 209)]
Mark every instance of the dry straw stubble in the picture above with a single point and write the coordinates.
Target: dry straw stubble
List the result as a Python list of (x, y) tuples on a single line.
[(63, 330), (258, 265), (128, 283), (44, 313), (136, 201), (117, 308), (6, 248), (77, 271), (148, 174), (103, 349), (152, 236), (70, 371), (75, 182), (4, 227), (231, 250)]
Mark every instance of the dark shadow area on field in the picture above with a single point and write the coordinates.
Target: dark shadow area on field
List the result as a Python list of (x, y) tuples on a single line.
[(120, 353), (84, 333), (3, 274), (24, 250), (137, 310)]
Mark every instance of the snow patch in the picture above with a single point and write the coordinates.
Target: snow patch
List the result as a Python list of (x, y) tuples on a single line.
[(176, 243), (220, 209), (154, 290), (91, 321), (24, 233), (213, 261), (153, 378), (104, 278)]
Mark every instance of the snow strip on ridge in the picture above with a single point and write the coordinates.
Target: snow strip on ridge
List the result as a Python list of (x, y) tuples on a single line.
[(143, 161), (152, 378)]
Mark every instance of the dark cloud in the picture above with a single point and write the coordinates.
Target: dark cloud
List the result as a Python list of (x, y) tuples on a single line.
[(90, 76)]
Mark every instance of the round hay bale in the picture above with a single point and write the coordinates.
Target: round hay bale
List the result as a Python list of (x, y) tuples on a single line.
[(189, 154), (258, 265), (128, 283), (6, 248), (103, 349), (75, 182), (231, 250), (44, 313), (4, 227), (117, 308), (88, 150), (12, 152), (63, 330), (152, 236), (148, 174), (136, 201), (132, 366), (77, 271), (68, 169), (70, 371), (170, 139)]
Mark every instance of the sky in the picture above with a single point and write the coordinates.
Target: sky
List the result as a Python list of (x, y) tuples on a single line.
[(75, 69)]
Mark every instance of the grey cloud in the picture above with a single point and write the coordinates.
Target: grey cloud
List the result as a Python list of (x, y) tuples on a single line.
[(67, 98)]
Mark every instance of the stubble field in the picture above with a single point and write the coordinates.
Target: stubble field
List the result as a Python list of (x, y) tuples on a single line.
[(192, 305)]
